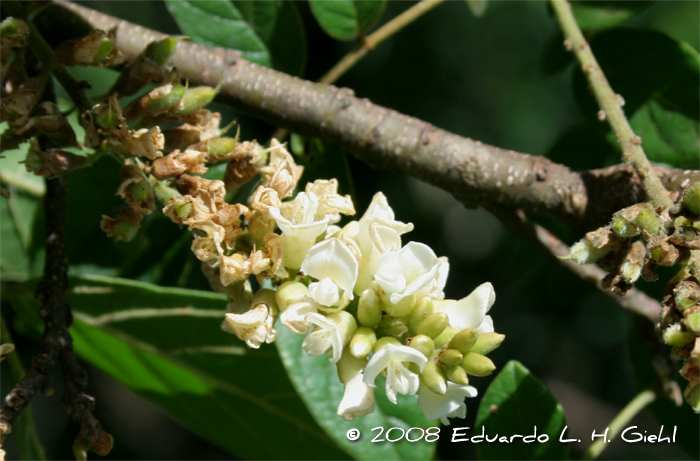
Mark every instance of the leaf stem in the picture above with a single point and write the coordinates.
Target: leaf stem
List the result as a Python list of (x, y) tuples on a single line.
[(368, 44), (611, 106), (637, 404)]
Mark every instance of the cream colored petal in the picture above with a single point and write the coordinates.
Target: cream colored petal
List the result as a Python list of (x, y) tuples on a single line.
[(333, 259), (469, 312)]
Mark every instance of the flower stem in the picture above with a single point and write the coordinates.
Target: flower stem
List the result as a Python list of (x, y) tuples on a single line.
[(368, 44), (611, 105), (637, 404)]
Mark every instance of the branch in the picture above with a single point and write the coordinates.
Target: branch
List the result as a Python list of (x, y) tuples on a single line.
[(56, 344), (475, 173), (541, 239), (611, 105)]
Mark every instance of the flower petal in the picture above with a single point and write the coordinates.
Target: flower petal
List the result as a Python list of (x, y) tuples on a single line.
[(469, 312)]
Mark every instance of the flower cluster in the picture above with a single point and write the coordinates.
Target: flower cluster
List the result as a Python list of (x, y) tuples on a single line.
[(373, 305), (639, 239)]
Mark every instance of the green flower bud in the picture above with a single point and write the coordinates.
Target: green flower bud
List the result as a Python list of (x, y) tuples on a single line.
[(104, 49), (141, 191), (434, 378), (362, 342), (289, 293), (403, 308), (692, 322), (182, 208), (369, 309), (106, 118), (487, 342), (623, 228), (445, 337), (219, 147), (349, 366), (423, 308), (675, 336), (385, 341), (691, 199), (125, 230), (165, 97), (686, 295), (196, 98), (161, 51), (650, 221), (12, 27), (477, 364), (457, 375), (433, 325), (584, 253), (346, 324), (424, 344), (692, 396), (451, 357), (631, 272), (391, 326), (464, 340)]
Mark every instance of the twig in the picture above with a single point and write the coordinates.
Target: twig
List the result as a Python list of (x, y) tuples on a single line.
[(368, 44), (611, 105), (540, 238), (475, 173), (56, 345), (637, 404)]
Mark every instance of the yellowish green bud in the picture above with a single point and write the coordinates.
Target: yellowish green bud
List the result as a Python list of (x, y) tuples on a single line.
[(289, 293), (195, 99), (445, 337), (219, 147), (451, 357), (692, 396), (477, 364), (183, 208), (631, 271), (691, 199), (433, 325), (456, 374), (650, 221), (686, 295), (584, 253), (385, 341), (487, 342), (692, 322), (675, 336), (623, 228), (141, 191), (391, 326), (104, 49), (161, 51), (12, 27), (369, 308), (125, 230), (106, 118), (402, 308), (464, 340), (349, 366), (423, 308), (165, 97), (434, 378), (362, 342), (346, 324), (424, 344)]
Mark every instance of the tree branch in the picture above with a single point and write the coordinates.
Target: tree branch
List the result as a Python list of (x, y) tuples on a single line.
[(56, 344), (475, 173)]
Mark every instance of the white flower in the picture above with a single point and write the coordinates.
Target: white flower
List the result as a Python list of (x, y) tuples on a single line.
[(256, 326), (398, 379), (299, 226), (332, 331), (409, 270), (294, 316), (376, 233), (470, 312), (334, 265), (450, 405), (358, 399)]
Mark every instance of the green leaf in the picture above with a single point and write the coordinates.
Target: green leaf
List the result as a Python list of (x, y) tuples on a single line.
[(346, 19), (268, 33), (167, 345), (515, 403), (316, 380), (658, 78), (601, 14)]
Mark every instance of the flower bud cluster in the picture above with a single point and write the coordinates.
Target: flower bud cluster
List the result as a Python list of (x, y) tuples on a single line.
[(639, 239)]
